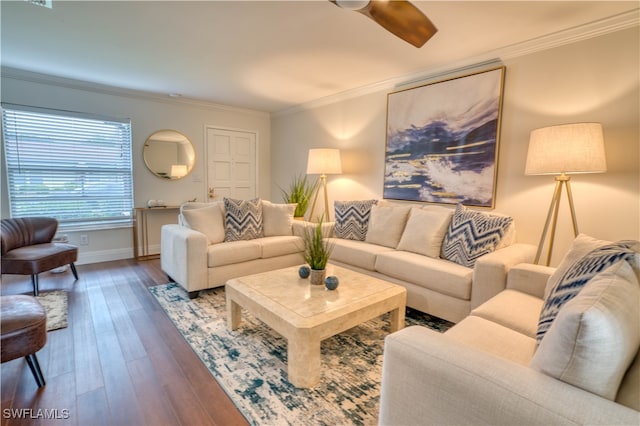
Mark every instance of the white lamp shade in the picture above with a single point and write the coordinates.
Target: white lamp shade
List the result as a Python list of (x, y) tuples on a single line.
[(567, 148), (178, 170), (324, 161)]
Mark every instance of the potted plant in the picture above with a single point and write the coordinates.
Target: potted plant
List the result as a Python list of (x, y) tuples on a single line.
[(317, 250), (299, 192)]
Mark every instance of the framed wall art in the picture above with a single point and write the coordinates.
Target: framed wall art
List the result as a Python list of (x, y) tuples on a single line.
[(442, 140)]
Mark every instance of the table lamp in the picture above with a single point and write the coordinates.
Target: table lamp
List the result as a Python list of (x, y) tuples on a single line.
[(562, 150)]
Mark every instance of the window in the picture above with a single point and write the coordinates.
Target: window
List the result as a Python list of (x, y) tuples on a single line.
[(71, 166)]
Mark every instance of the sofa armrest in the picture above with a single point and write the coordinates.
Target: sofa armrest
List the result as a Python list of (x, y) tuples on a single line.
[(529, 278), (183, 256), (490, 271), (431, 378)]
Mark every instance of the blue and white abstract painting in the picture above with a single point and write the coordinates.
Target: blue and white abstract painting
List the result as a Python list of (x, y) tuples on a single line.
[(442, 141)]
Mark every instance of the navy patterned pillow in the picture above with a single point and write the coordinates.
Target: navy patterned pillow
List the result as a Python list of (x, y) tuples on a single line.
[(472, 234), (352, 219), (242, 219), (577, 276)]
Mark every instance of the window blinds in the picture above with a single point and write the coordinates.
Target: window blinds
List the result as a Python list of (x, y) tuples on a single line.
[(68, 166)]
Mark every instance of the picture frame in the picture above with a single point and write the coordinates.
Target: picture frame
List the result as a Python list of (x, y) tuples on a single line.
[(443, 140)]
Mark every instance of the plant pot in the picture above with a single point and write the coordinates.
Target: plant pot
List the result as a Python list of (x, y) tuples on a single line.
[(317, 276)]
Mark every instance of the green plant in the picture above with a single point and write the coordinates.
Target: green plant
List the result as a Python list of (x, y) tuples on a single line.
[(317, 249), (300, 191)]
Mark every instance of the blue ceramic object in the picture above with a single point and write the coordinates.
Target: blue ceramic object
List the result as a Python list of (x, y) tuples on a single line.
[(304, 272), (331, 282)]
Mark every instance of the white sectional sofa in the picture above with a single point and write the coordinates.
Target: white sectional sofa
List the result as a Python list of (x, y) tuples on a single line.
[(197, 254), (489, 369)]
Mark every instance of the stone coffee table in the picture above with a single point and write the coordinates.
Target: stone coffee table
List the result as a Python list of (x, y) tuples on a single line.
[(306, 314)]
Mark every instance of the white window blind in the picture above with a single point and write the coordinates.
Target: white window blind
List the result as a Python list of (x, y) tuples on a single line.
[(69, 166)]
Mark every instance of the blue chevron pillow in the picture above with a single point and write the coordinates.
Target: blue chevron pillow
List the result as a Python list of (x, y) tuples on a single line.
[(577, 276), (472, 234), (242, 219), (352, 219)]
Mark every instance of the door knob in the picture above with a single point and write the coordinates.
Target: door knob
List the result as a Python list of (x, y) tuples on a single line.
[(212, 193)]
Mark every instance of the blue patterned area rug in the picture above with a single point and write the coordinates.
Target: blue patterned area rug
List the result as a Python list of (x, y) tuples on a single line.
[(250, 363)]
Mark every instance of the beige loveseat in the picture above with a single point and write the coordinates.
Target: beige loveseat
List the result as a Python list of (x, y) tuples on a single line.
[(488, 369), (403, 244), (196, 252)]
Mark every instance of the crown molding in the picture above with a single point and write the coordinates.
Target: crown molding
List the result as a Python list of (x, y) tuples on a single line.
[(34, 77), (494, 57)]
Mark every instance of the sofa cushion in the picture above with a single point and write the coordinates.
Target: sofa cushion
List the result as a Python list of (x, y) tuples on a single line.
[(472, 234), (243, 219), (277, 219), (352, 219), (496, 339), (425, 231), (629, 391), (233, 252), (596, 335), (577, 275), (356, 253), (513, 309), (386, 225), (208, 220), (435, 274), (280, 245)]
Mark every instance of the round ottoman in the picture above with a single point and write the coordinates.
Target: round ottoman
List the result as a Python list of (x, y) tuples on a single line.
[(23, 329)]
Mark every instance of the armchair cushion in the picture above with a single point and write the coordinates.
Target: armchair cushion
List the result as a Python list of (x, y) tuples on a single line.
[(596, 335)]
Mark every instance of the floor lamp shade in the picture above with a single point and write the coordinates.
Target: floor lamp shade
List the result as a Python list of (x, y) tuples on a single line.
[(323, 161), (562, 150), (567, 148)]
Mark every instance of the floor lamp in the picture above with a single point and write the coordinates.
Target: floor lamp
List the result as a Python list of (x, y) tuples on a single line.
[(323, 162), (562, 150)]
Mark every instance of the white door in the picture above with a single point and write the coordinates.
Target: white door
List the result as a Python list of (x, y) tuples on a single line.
[(231, 164)]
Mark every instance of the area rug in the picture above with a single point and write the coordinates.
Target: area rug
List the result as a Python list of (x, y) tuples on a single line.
[(250, 363), (55, 304)]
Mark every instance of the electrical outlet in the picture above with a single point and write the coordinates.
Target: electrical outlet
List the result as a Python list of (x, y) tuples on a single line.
[(84, 240)]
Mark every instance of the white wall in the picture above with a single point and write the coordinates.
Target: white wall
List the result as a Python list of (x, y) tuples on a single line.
[(147, 115), (592, 80)]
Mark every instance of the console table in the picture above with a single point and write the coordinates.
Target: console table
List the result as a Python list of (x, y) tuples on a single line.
[(141, 230)]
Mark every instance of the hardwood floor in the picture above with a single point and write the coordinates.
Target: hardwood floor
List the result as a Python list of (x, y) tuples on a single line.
[(121, 361)]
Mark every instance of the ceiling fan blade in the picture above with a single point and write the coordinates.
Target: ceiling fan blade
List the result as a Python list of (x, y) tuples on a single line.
[(399, 17)]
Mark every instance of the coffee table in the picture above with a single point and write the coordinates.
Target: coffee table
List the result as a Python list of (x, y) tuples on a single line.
[(306, 314)]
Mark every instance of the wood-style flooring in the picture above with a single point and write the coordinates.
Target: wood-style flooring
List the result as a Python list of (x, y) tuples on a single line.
[(121, 361)]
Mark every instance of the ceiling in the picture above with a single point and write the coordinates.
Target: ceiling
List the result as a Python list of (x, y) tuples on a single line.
[(269, 55)]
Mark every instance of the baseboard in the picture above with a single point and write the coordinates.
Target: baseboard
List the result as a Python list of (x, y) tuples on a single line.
[(103, 256)]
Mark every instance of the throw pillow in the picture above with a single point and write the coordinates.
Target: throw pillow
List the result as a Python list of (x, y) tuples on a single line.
[(386, 225), (243, 219), (425, 231), (472, 234), (575, 278), (209, 220), (277, 219), (352, 219), (596, 335)]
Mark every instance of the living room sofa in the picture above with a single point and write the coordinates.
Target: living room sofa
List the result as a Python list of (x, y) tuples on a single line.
[(200, 253), (489, 368), (406, 245)]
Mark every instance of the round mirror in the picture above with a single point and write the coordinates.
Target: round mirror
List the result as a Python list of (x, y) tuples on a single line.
[(169, 154)]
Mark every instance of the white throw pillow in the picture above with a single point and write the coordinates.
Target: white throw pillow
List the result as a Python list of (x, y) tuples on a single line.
[(277, 219), (425, 231), (596, 335), (209, 220), (386, 225)]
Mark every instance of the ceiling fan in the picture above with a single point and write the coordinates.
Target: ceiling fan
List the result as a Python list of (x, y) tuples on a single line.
[(399, 17)]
